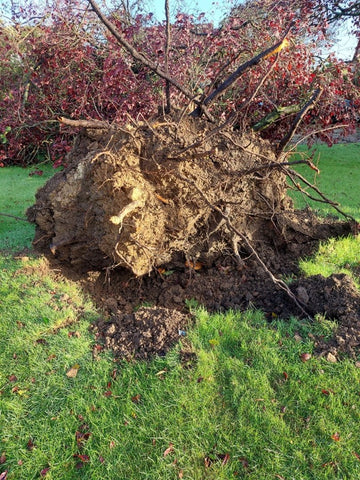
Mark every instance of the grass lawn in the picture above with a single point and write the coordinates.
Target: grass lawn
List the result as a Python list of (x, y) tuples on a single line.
[(248, 407), (339, 178), (17, 190)]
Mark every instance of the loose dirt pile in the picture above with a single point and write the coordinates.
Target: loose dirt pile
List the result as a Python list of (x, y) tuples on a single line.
[(172, 210)]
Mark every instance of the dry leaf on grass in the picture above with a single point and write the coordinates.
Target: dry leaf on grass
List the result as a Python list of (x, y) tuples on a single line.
[(73, 371)]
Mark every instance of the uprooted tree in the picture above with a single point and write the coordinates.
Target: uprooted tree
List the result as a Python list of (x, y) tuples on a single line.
[(194, 179)]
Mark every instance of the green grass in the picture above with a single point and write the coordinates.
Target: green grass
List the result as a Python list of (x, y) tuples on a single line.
[(335, 256), (339, 178), (17, 191), (245, 407), (248, 395)]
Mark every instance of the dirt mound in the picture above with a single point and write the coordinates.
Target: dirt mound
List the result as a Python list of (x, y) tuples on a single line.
[(144, 333), (338, 298), (222, 286), (176, 209), (147, 195)]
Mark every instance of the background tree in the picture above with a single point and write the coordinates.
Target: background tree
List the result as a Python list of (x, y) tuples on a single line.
[(60, 62)]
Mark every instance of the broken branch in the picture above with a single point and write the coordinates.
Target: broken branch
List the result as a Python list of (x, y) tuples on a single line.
[(308, 106), (240, 71)]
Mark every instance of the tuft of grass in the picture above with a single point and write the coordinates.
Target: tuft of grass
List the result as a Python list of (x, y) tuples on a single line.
[(339, 178), (335, 256), (17, 193)]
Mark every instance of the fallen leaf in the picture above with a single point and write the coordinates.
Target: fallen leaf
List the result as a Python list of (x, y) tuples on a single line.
[(330, 464), (3, 475), (30, 444), (297, 337), (356, 455), (192, 265), (280, 477), (73, 371), (108, 393), (2, 458), (170, 449), (244, 462), (305, 357), (51, 357), (83, 458), (44, 471), (225, 458), (101, 459), (112, 444), (181, 474), (12, 378), (286, 376), (136, 398), (20, 462), (74, 334), (82, 437), (208, 462), (336, 436)]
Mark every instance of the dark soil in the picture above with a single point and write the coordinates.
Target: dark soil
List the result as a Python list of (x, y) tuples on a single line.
[(136, 217), (220, 287)]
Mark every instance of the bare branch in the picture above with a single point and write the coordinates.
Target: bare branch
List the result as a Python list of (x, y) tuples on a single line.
[(137, 55), (308, 106), (167, 47), (96, 124), (319, 192), (15, 217), (240, 71)]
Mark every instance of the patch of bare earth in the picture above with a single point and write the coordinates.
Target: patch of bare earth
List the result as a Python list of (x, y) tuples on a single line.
[(170, 210)]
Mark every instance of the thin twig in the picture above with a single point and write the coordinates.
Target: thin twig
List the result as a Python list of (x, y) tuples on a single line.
[(308, 105), (319, 192), (167, 48), (315, 132), (14, 216)]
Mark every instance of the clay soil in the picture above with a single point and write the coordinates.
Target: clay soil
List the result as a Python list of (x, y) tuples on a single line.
[(136, 218)]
